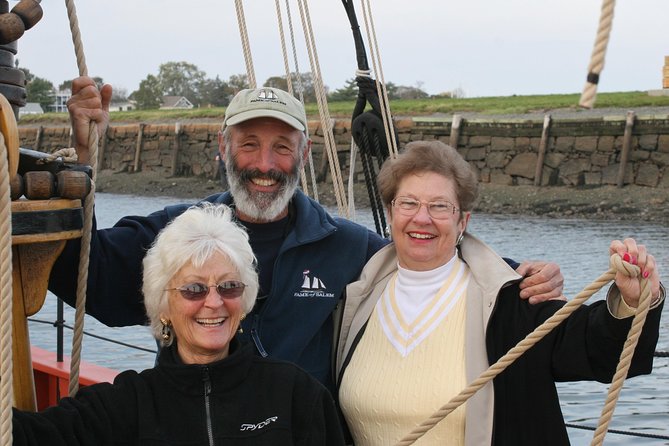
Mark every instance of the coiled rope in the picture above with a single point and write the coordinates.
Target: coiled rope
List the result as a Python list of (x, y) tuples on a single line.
[(67, 155), (82, 284), (616, 265), (6, 372), (599, 51)]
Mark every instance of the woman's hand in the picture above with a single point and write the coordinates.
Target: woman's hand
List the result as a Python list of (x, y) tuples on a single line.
[(630, 287)]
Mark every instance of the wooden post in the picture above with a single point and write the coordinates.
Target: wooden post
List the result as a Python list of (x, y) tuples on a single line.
[(455, 131), (138, 147), (177, 148), (38, 137), (543, 144), (71, 140), (627, 145)]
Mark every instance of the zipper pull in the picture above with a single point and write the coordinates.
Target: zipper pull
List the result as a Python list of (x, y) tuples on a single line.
[(256, 338)]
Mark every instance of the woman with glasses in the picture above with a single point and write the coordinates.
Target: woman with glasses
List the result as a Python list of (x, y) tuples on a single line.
[(435, 308), (206, 389)]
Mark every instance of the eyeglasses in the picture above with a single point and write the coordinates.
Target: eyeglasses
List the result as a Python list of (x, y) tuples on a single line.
[(439, 210), (197, 291)]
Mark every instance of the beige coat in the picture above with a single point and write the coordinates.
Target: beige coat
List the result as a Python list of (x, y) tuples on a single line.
[(489, 274)]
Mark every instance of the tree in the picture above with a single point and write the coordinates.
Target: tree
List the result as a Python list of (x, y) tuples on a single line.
[(181, 79), (149, 94), (348, 92), (40, 90), (237, 83), (119, 95), (28, 74), (277, 82), (215, 92), (304, 81)]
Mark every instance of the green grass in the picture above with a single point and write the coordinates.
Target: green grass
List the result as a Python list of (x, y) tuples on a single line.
[(418, 107)]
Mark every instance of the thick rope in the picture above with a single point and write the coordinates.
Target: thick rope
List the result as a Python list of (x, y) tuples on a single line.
[(246, 47), (531, 339), (326, 121), (381, 90), (599, 51), (82, 284), (625, 356), (6, 360), (67, 155)]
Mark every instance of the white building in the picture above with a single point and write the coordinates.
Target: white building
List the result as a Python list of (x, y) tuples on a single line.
[(31, 108), (175, 102), (60, 101)]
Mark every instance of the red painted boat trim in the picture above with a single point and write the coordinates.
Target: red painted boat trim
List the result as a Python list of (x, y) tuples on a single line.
[(52, 378)]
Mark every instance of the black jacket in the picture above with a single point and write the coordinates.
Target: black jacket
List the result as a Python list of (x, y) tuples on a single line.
[(240, 400)]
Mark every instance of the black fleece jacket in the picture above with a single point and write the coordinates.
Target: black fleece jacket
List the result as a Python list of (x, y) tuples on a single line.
[(240, 400)]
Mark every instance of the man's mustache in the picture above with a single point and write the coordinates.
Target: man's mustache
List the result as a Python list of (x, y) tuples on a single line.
[(274, 175)]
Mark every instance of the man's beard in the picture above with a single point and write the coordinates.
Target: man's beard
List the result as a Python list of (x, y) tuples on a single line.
[(261, 206)]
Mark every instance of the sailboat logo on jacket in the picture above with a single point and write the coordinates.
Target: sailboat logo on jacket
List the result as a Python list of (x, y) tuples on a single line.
[(312, 286)]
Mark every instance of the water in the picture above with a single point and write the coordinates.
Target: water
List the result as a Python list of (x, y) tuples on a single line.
[(578, 246)]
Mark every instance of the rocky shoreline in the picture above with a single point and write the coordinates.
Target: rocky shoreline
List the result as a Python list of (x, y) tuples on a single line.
[(630, 203)]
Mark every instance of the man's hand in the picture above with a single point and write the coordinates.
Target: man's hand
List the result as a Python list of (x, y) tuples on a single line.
[(542, 281), (88, 104)]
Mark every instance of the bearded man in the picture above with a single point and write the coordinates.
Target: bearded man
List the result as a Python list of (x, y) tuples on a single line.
[(306, 257)]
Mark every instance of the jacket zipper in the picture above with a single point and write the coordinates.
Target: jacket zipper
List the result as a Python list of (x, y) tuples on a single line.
[(207, 392), (256, 337)]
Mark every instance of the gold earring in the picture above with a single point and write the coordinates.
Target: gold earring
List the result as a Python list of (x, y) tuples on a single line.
[(166, 332), (240, 330)]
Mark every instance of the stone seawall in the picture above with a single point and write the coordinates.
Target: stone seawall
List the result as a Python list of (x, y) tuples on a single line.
[(572, 152)]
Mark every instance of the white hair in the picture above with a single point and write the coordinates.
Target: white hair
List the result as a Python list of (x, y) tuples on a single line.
[(195, 236)]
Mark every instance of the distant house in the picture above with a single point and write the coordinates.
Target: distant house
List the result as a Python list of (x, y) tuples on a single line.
[(122, 106), (31, 108), (60, 101), (175, 102)]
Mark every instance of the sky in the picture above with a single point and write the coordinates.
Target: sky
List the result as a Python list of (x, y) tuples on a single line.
[(481, 47)]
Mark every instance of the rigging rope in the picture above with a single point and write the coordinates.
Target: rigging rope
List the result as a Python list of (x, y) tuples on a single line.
[(616, 265), (6, 362), (378, 69), (82, 284), (599, 51), (300, 89), (246, 46), (289, 82), (326, 121)]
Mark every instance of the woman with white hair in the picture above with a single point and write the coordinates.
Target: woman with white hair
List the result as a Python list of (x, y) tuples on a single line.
[(199, 282)]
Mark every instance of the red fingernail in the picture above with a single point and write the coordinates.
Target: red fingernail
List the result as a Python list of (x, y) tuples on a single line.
[(626, 257), (646, 274), (633, 260)]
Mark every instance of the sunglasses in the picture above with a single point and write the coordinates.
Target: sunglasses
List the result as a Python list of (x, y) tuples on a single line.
[(230, 289)]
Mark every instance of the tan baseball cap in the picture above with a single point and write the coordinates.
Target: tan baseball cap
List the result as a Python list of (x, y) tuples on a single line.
[(266, 102)]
